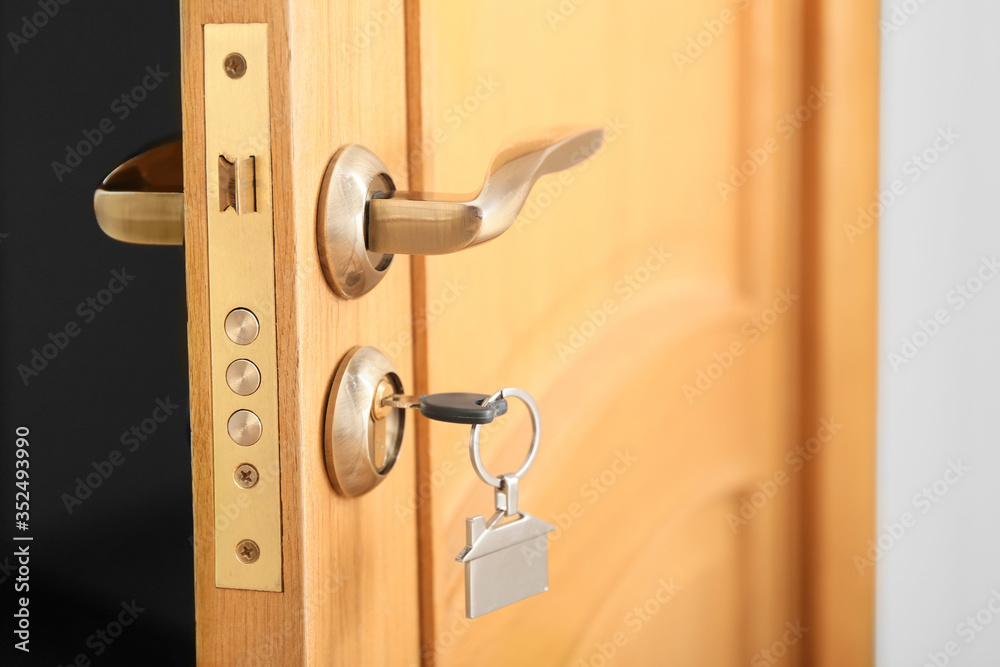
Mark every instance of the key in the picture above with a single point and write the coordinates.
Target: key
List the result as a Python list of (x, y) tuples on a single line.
[(453, 407)]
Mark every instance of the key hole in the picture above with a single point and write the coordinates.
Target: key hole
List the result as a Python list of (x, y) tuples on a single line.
[(386, 432)]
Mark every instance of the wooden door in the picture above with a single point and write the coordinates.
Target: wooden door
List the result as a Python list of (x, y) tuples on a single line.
[(671, 305), (651, 303), (349, 575), (656, 303)]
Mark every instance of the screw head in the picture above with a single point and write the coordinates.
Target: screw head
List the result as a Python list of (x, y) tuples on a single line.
[(235, 65), (247, 551), (246, 476)]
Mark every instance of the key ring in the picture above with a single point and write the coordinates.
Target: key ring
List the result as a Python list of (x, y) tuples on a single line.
[(536, 428)]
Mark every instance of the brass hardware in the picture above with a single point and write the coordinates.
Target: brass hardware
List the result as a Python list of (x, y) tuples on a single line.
[(244, 428), (384, 390), (237, 185), (242, 326), (364, 220), (246, 476), (360, 447), (235, 65), (417, 223), (353, 177), (402, 401), (241, 287), (142, 201), (243, 377), (247, 551)]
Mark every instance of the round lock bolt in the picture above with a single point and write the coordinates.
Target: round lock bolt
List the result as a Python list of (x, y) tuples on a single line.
[(243, 377), (242, 326), (244, 428)]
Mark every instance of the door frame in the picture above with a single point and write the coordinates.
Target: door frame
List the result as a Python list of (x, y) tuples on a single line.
[(840, 329)]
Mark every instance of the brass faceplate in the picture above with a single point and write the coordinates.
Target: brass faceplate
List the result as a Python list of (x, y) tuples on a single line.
[(241, 276)]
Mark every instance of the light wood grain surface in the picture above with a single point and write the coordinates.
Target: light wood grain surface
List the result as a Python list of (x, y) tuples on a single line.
[(350, 566), (574, 305), (622, 287)]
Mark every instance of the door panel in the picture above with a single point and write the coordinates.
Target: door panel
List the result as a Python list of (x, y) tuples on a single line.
[(653, 315), (578, 304)]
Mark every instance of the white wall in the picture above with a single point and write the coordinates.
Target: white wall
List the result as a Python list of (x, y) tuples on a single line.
[(940, 69)]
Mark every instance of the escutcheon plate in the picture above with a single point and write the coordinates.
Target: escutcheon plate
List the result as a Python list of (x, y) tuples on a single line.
[(354, 176), (359, 452)]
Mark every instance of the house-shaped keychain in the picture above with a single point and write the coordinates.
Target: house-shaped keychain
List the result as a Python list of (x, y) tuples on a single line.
[(504, 562)]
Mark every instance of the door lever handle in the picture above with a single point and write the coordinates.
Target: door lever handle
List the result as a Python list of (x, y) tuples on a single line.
[(417, 223), (364, 220), (142, 200)]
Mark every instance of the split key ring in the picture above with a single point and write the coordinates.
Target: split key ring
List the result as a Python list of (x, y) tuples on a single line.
[(536, 428)]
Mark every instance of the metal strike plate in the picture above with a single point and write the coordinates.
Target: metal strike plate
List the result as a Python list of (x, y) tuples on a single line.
[(242, 308)]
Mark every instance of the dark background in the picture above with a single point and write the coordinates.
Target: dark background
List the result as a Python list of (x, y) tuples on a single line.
[(131, 538)]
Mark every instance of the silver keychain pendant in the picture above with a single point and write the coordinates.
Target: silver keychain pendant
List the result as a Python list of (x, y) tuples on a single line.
[(506, 559)]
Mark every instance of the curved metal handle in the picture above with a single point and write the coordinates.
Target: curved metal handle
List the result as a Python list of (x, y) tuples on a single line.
[(417, 223), (142, 201)]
